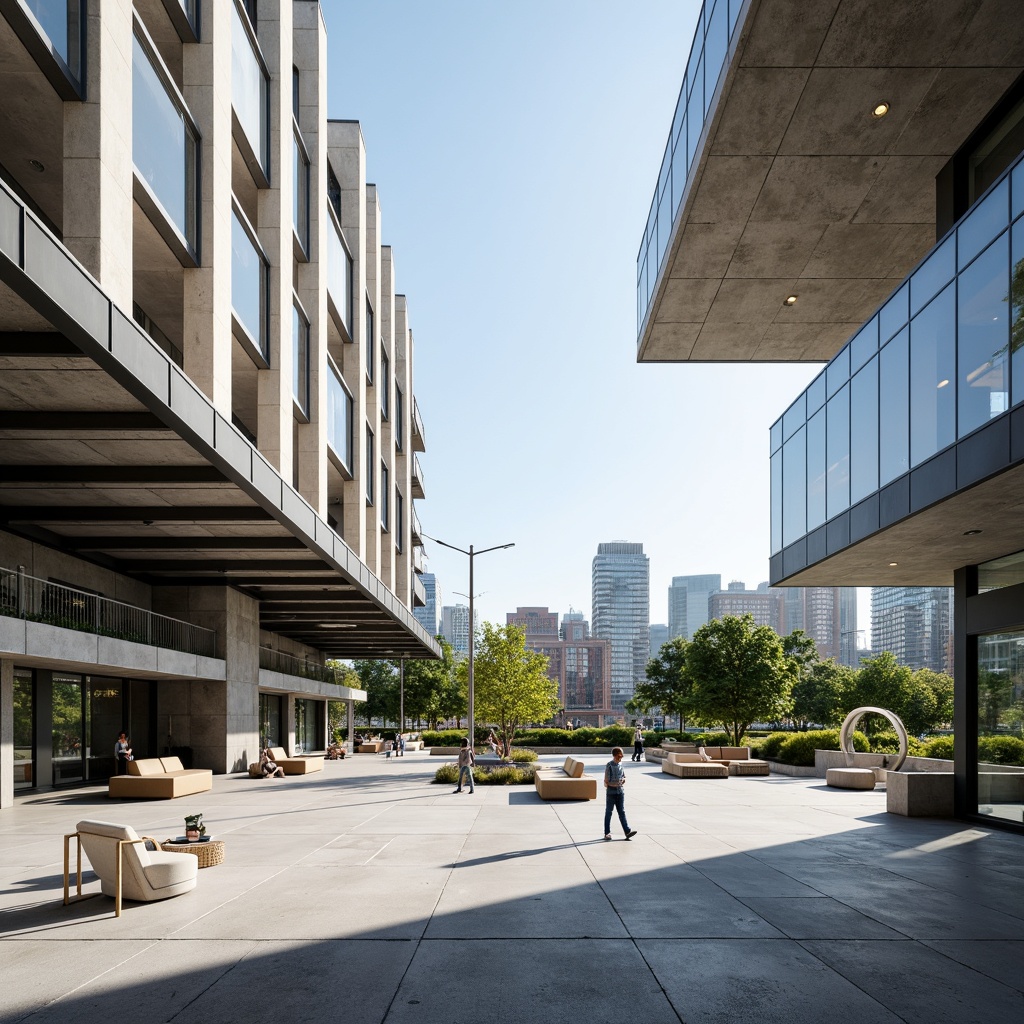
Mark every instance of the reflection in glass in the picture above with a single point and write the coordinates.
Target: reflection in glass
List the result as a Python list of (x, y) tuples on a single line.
[(776, 491), (864, 432), (68, 729), (893, 407), (794, 416), (894, 315), (695, 111), (247, 283), (837, 373), (369, 465), (1007, 571), (983, 223), (794, 473), (816, 393), (24, 730), (249, 90), (300, 194), (1000, 711), (61, 20), (716, 42), (933, 378), (300, 361), (933, 274), (105, 703), (1017, 313), (983, 338), (864, 345), (399, 418), (385, 513), (163, 145), (837, 453), (816, 467), (339, 419), (339, 276)]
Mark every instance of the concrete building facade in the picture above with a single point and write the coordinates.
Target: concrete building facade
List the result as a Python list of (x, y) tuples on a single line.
[(429, 616), (206, 390), (621, 589), (843, 181), (538, 623), (763, 603)]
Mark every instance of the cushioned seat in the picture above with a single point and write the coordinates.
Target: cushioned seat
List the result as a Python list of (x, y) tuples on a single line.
[(160, 778), (301, 765), (126, 869), (693, 766), (565, 783)]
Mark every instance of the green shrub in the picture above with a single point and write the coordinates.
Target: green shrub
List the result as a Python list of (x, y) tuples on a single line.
[(521, 756), (447, 773), (444, 738), (502, 775), (799, 747), (939, 746), (1000, 750), (889, 743), (772, 743)]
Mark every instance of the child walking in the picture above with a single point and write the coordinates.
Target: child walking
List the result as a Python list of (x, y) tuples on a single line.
[(614, 797)]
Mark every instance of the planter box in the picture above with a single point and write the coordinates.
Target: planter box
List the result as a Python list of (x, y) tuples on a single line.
[(919, 794), (798, 771)]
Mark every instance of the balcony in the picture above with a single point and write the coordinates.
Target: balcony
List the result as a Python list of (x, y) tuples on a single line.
[(419, 442), (250, 97), (37, 600), (418, 560), (339, 276), (339, 419), (915, 409), (417, 479), (417, 530), (419, 594), (288, 665)]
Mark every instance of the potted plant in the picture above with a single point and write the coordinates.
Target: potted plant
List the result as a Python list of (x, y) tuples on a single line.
[(194, 827)]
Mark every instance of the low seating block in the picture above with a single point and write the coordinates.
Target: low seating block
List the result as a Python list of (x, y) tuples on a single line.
[(565, 783), (692, 766), (850, 778), (301, 765), (159, 778)]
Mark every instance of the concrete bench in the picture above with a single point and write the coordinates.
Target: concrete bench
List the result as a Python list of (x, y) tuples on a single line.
[(687, 765), (565, 783), (159, 778), (919, 794), (736, 759), (851, 778)]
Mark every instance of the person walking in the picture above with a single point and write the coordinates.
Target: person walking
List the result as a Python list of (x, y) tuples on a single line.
[(466, 761), (638, 743), (122, 753), (614, 797)]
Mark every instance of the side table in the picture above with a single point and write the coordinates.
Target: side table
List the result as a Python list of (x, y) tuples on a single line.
[(210, 853)]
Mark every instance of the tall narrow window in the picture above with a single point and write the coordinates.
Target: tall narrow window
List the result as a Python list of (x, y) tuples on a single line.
[(369, 466), (399, 519), (300, 192), (300, 361), (399, 426), (384, 495), (339, 418), (370, 358), (249, 283), (385, 384), (250, 87)]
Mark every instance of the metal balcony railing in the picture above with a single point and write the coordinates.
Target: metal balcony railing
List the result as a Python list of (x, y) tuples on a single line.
[(289, 665), (418, 489), (417, 530), (26, 597), (419, 440)]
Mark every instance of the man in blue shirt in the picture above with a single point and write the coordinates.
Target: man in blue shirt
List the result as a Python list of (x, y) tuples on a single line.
[(614, 781)]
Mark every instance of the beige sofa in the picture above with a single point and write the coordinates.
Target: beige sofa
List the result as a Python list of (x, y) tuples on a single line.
[(159, 778), (565, 783), (297, 765), (692, 766), (736, 759)]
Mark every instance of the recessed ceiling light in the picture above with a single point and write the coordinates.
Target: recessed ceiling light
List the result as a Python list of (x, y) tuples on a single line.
[(790, 300), (880, 110), (894, 564), (37, 165), (337, 625), (971, 533)]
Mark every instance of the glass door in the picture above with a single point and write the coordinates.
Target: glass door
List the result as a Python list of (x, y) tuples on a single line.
[(68, 729), (24, 729)]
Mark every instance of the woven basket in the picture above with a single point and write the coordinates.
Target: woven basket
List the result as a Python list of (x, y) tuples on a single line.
[(209, 854)]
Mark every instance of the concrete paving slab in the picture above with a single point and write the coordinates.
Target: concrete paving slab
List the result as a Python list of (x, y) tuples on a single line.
[(818, 917), (1001, 961), (776, 982), (919, 983)]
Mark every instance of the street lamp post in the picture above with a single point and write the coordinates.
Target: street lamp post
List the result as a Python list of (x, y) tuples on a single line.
[(472, 554)]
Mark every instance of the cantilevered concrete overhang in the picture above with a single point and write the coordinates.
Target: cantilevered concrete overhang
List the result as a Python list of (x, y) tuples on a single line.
[(109, 452), (797, 189)]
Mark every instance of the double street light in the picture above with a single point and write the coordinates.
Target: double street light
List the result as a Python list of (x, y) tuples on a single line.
[(471, 553)]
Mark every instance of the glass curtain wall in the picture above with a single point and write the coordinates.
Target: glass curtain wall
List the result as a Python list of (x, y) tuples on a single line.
[(61, 21), (339, 418), (250, 88), (1000, 719), (24, 729), (271, 734), (309, 725)]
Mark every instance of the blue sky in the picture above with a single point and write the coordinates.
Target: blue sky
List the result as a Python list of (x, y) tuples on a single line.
[(516, 146)]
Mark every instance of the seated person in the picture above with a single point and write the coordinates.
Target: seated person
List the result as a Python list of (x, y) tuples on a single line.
[(269, 768), (703, 754)]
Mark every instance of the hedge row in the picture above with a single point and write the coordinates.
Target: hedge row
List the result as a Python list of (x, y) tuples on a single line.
[(504, 775)]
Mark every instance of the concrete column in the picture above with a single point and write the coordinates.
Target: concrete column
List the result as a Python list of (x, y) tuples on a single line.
[(98, 206), (310, 57), (347, 156), (275, 421), (6, 733), (206, 79), (42, 770), (372, 260)]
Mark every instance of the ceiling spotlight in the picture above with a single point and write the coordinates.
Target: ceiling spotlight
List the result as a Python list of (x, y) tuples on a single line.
[(147, 522), (790, 300), (37, 165), (971, 533), (880, 110), (893, 564)]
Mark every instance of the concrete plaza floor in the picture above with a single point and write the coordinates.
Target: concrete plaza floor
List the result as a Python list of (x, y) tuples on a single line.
[(364, 893)]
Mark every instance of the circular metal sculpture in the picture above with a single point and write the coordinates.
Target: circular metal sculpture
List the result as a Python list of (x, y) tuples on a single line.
[(851, 722)]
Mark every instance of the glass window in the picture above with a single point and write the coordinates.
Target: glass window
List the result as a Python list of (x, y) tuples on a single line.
[(679, 117), (1000, 683), (775, 435), (795, 416), (776, 491), (665, 211), (1007, 571), (837, 453), (339, 418), (295, 93), (310, 725), (399, 418), (61, 20), (399, 519), (1017, 187), (735, 6), (300, 193), (369, 343), (249, 91), (695, 110), (934, 274), (983, 336), (385, 384), (932, 378), (716, 42), (248, 284), (837, 373), (895, 314), (864, 345), (816, 393), (385, 521), (24, 737), (369, 466), (794, 476), (68, 729), (163, 144), (983, 223), (339, 276), (1017, 298), (334, 192), (893, 407), (816, 467), (270, 721), (300, 361), (864, 432), (679, 165)]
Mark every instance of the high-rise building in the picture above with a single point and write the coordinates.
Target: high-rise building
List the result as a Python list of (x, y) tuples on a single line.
[(688, 603), (207, 389), (579, 664), (915, 624), (429, 616), (455, 626), (849, 635), (764, 604), (659, 636), (621, 588), (827, 194), (817, 611)]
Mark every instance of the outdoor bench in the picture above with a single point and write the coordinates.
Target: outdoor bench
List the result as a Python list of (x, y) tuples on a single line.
[(159, 778), (565, 783)]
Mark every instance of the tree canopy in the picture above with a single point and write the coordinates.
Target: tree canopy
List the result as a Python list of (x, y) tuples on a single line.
[(510, 683), (667, 685), (823, 695)]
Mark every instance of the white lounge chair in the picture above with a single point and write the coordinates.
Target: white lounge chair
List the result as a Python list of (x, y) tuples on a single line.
[(125, 867)]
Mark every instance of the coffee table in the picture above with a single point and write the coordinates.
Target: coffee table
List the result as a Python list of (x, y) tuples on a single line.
[(210, 853)]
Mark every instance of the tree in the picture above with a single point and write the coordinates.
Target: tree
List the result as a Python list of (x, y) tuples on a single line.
[(380, 681), (942, 686), (667, 685), (740, 674), (511, 684), (821, 696), (432, 688), (337, 711)]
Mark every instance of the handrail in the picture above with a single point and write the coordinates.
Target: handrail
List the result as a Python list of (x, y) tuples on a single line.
[(37, 600), (289, 665)]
